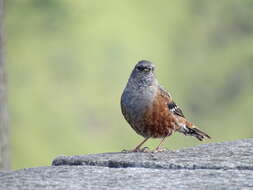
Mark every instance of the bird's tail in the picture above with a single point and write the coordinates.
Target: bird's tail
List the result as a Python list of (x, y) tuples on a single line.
[(192, 130)]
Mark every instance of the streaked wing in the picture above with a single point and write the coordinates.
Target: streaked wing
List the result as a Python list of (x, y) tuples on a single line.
[(171, 104), (175, 109)]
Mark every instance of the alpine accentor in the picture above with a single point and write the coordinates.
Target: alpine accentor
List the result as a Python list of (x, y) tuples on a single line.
[(150, 110)]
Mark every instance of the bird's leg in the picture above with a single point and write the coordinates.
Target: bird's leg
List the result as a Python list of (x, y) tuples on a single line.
[(158, 149), (137, 149)]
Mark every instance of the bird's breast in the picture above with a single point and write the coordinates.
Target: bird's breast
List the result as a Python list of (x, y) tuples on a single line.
[(134, 103)]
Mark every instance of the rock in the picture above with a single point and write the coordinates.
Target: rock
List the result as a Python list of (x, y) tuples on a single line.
[(229, 155), (226, 165)]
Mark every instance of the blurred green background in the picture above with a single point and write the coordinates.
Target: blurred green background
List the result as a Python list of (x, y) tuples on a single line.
[(68, 62)]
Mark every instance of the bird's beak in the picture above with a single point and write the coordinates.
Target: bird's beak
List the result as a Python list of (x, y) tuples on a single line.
[(146, 69)]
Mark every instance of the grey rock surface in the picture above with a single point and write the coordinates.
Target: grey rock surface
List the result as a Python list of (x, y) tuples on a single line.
[(228, 155), (226, 165)]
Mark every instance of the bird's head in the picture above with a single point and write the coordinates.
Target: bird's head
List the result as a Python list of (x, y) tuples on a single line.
[(143, 73)]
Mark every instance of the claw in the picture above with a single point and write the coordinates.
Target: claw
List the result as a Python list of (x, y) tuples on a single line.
[(124, 151), (129, 151), (159, 150), (145, 149)]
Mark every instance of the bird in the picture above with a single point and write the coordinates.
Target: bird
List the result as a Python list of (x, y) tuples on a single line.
[(150, 110)]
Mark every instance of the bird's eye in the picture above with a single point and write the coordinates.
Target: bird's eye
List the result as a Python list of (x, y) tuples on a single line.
[(140, 68)]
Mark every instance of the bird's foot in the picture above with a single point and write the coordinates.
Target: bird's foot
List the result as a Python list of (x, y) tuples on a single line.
[(145, 149), (124, 151), (159, 150)]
